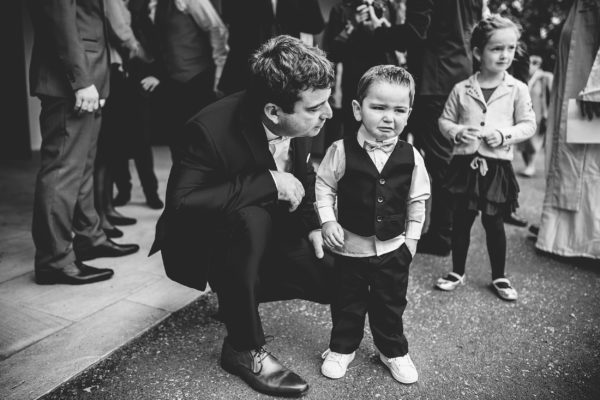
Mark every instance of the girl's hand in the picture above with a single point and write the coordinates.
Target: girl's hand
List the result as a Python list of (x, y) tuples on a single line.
[(493, 138), (468, 135), (333, 234)]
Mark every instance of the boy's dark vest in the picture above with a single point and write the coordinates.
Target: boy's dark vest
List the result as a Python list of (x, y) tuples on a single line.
[(372, 203)]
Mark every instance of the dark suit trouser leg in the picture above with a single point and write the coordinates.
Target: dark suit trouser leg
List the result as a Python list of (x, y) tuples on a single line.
[(373, 285), (63, 201), (438, 150), (261, 263)]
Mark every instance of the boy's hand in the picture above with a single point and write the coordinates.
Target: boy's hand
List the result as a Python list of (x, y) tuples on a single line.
[(333, 234), (411, 244), (493, 138), (468, 135)]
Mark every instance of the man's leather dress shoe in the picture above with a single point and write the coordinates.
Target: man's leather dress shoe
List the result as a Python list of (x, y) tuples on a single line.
[(154, 202), (515, 219), (106, 249), (77, 273), (113, 232), (117, 218), (121, 199), (262, 371)]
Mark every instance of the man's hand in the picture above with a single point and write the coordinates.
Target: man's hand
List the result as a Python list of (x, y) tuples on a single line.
[(369, 19), (493, 138), (87, 99), (589, 109), (315, 238), (411, 244), (333, 234), (288, 188), (149, 83), (137, 51)]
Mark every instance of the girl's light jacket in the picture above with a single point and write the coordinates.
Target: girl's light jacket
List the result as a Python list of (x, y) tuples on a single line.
[(508, 111)]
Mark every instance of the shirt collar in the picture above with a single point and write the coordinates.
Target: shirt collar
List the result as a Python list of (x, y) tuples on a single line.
[(273, 138)]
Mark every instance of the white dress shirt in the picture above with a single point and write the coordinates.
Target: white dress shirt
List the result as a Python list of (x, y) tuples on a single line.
[(330, 172), (279, 146)]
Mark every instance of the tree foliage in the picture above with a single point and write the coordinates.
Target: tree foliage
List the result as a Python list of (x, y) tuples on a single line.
[(541, 20)]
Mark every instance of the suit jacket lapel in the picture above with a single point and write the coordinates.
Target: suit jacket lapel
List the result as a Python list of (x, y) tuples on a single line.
[(254, 133)]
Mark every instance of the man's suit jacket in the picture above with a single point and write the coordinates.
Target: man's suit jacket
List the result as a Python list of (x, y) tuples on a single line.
[(252, 22), (70, 48), (224, 167)]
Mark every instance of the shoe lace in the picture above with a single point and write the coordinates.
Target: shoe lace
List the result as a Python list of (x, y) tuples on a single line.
[(332, 356), (261, 353)]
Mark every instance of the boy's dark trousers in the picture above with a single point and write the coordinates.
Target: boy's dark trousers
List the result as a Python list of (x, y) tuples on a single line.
[(376, 285)]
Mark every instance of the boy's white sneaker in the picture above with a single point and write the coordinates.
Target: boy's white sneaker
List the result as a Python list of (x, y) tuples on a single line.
[(335, 364), (402, 368)]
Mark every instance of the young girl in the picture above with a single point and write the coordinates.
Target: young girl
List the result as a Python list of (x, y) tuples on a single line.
[(485, 116)]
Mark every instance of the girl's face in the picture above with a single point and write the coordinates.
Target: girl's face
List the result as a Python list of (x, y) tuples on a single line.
[(384, 110), (499, 52)]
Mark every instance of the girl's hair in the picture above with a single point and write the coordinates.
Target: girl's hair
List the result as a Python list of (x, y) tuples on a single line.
[(486, 27), (385, 73)]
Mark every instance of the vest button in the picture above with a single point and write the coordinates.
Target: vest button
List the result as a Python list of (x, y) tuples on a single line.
[(379, 218), (380, 199), (382, 181), (482, 123)]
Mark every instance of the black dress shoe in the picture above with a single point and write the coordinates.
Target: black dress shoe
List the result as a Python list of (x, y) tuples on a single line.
[(515, 219), (117, 218), (113, 232), (262, 371), (429, 244), (121, 199), (534, 229), (106, 249), (154, 202), (77, 273)]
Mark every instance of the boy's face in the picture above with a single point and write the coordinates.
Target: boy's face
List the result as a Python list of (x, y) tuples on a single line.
[(384, 110)]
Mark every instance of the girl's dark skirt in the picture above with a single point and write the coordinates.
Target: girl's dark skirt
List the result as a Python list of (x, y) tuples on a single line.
[(494, 193)]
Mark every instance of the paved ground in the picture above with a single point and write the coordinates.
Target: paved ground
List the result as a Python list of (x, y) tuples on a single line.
[(48, 334), (466, 345)]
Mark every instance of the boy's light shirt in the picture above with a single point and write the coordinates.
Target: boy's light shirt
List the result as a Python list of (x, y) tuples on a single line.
[(330, 172)]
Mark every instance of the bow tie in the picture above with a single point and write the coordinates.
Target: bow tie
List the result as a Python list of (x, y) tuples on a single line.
[(370, 146)]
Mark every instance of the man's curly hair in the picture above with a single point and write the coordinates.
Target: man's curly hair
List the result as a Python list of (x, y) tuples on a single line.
[(285, 66)]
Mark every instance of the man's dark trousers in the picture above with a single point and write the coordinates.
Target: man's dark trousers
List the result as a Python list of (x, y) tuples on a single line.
[(438, 152), (64, 202), (265, 259)]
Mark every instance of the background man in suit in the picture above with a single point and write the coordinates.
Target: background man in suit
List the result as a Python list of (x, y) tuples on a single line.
[(253, 22), (239, 207), (69, 73)]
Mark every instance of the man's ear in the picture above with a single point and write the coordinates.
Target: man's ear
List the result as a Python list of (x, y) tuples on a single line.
[(477, 53), (272, 112), (356, 110)]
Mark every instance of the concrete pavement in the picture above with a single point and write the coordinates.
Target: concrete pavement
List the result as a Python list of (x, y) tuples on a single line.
[(466, 345)]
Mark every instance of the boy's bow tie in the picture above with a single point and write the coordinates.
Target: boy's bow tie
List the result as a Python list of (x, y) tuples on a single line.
[(387, 147)]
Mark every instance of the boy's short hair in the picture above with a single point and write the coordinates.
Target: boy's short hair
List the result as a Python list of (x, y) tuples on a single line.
[(283, 67), (385, 73)]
